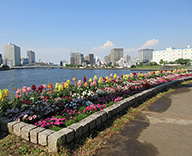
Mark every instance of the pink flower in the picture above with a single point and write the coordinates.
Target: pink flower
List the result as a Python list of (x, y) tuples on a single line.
[(29, 89), (30, 118)]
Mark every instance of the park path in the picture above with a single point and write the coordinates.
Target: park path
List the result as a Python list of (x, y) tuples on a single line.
[(164, 128)]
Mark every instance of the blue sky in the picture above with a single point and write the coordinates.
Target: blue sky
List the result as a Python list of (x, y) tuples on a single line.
[(51, 28)]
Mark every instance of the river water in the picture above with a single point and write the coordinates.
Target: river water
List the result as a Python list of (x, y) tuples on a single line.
[(27, 77)]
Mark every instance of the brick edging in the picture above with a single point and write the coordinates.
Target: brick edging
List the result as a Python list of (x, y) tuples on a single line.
[(74, 133)]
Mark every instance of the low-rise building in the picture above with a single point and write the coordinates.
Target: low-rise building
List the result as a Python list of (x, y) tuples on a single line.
[(172, 54)]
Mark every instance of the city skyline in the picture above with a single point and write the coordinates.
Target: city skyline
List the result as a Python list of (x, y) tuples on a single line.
[(54, 28)]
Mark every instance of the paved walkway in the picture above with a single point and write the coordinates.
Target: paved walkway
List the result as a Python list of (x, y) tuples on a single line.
[(164, 128)]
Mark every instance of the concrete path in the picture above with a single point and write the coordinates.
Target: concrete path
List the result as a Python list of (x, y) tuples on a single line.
[(164, 128)]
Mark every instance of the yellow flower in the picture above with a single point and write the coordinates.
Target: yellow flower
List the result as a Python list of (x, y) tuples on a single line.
[(95, 77), (131, 74), (66, 85), (107, 77), (109, 80), (74, 78), (1, 94), (60, 87), (57, 85), (124, 76), (115, 76), (100, 80), (68, 81), (6, 92), (90, 80)]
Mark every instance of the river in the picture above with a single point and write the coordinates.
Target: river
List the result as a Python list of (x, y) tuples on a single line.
[(27, 77)]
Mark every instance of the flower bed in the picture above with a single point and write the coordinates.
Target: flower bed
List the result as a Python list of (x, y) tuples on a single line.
[(60, 106)]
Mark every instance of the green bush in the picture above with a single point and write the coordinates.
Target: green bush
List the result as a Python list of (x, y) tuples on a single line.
[(69, 122), (55, 128), (82, 108), (80, 117)]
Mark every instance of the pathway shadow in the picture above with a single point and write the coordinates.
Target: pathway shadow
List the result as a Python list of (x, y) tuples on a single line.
[(125, 143)]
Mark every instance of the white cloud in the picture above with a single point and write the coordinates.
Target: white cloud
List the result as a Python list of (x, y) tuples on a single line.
[(150, 44), (107, 45)]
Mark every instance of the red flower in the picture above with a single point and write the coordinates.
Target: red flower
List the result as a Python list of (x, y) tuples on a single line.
[(23, 101), (33, 87), (28, 102), (84, 79), (134, 73), (122, 76)]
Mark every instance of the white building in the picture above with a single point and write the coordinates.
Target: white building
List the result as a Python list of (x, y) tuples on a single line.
[(172, 54), (127, 58), (121, 62), (24, 60), (11, 54), (145, 55)]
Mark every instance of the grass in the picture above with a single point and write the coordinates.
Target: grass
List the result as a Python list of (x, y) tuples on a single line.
[(13, 145)]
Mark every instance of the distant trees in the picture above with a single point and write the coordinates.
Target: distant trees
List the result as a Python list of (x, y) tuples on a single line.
[(183, 61)]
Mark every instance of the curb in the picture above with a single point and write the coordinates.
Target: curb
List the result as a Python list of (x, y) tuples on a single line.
[(75, 133)]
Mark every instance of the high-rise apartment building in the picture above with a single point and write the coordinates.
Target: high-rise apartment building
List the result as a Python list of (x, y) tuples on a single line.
[(11, 54), (86, 58), (31, 56), (172, 54), (127, 58), (145, 55), (91, 59), (107, 59), (76, 59), (116, 55)]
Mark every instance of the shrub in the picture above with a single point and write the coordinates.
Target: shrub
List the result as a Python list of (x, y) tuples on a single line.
[(80, 117), (69, 122)]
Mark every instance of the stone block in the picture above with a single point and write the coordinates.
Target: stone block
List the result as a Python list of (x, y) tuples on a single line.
[(55, 141), (17, 128), (108, 110), (69, 134), (3, 123), (34, 134), (97, 117), (25, 131), (77, 128), (90, 122), (10, 126), (43, 137)]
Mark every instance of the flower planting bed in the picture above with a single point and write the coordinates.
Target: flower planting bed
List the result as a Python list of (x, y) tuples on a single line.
[(99, 114)]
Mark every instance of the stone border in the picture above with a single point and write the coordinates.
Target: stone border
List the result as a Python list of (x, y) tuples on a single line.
[(76, 132)]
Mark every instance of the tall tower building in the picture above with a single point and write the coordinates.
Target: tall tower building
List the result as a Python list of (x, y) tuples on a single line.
[(31, 56), (107, 59), (116, 55), (12, 54), (91, 58), (76, 59), (145, 55)]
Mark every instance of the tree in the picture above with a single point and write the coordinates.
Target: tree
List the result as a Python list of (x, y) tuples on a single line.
[(161, 61), (183, 61), (140, 64), (133, 66)]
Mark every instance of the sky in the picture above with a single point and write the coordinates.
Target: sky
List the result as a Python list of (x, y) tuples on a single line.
[(53, 28)]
